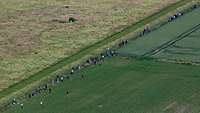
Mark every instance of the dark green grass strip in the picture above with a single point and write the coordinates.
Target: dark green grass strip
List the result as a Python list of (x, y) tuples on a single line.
[(171, 42), (164, 46), (47, 71)]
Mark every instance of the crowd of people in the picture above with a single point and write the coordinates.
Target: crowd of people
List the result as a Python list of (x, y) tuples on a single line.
[(175, 16), (179, 14), (48, 87), (123, 43)]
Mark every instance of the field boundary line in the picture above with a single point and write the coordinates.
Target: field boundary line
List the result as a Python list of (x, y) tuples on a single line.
[(46, 72)]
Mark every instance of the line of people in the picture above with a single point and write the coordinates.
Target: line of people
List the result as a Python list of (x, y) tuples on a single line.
[(175, 16), (48, 87), (179, 14), (123, 43)]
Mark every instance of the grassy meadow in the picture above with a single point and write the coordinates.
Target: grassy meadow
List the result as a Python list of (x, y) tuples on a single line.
[(122, 85), (31, 38)]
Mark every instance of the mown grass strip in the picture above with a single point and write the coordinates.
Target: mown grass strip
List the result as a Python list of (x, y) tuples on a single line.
[(47, 71)]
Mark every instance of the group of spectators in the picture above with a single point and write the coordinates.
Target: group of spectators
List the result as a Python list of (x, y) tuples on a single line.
[(179, 14), (123, 43), (175, 16), (48, 87)]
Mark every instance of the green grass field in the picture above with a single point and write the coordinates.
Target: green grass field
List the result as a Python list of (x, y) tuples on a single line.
[(174, 32), (30, 39), (121, 85)]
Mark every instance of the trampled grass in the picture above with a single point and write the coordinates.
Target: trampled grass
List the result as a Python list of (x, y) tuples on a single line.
[(121, 85), (30, 40)]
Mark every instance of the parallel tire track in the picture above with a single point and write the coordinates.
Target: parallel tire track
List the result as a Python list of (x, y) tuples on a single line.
[(171, 42)]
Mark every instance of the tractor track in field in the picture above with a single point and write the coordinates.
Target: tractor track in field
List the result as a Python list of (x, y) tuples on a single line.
[(178, 61), (171, 42)]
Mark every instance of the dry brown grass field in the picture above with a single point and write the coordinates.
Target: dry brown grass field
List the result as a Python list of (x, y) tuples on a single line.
[(31, 39)]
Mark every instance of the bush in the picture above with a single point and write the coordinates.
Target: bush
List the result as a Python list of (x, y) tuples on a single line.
[(71, 19)]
